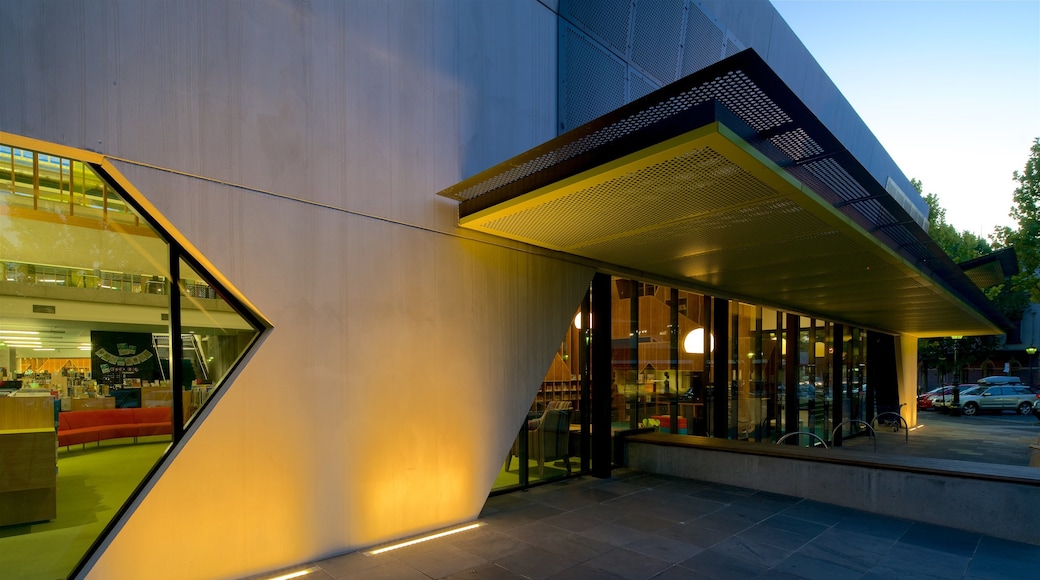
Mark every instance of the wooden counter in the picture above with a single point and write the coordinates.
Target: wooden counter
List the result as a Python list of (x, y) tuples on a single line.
[(91, 403), (28, 460), (26, 412)]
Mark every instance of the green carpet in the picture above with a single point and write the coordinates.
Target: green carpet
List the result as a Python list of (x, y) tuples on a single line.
[(93, 483), (512, 477)]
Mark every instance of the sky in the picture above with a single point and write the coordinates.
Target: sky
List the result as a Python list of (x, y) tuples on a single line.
[(951, 89)]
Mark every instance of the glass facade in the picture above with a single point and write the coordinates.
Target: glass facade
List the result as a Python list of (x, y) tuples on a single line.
[(112, 340), (695, 364)]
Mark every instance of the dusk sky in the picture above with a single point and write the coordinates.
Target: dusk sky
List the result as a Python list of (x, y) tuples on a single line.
[(951, 89)]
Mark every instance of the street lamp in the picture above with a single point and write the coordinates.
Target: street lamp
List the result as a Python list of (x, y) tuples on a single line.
[(1031, 351), (955, 392), (956, 343)]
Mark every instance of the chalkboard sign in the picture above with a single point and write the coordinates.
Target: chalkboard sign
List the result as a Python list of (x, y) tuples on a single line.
[(120, 356)]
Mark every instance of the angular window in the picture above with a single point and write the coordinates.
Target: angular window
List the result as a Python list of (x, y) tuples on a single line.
[(112, 339)]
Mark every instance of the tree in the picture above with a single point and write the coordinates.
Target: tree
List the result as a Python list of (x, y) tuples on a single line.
[(939, 353), (960, 246), (1026, 238)]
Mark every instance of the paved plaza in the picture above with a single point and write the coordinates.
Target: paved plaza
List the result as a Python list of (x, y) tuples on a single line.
[(639, 526)]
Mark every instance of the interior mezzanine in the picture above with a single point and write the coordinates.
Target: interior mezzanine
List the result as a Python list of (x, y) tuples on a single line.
[(95, 304)]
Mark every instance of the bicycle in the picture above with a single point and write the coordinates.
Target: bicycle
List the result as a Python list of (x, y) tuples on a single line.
[(894, 419)]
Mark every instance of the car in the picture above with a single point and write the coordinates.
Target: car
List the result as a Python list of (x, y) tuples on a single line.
[(1036, 409), (999, 380), (1013, 397), (928, 400), (945, 404)]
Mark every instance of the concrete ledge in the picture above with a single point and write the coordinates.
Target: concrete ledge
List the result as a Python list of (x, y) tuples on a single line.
[(996, 500)]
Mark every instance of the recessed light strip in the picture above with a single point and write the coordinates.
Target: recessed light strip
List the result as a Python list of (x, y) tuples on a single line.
[(295, 574), (423, 539)]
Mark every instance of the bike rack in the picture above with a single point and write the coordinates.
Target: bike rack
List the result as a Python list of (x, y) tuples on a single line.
[(778, 441), (905, 423), (873, 433)]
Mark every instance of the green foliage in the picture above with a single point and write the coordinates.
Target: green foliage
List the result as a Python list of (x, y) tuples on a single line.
[(940, 353), (1026, 238), (960, 246)]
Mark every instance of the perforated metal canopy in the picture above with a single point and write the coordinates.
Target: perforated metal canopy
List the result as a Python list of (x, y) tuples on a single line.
[(725, 181)]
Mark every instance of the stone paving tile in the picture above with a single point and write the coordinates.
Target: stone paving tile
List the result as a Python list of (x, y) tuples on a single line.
[(489, 571), (694, 534), (614, 534), (848, 549), (628, 564), (998, 558), (941, 539), (812, 567), (536, 563), (752, 551), (722, 566), (440, 562), (489, 545), (874, 525), (915, 560), (666, 549), (578, 547), (784, 532), (815, 511), (591, 529)]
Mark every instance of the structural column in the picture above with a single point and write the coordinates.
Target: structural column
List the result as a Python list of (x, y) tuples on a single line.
[(906, 375)]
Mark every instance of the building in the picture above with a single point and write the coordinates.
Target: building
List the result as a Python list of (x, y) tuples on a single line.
[(378, 346)]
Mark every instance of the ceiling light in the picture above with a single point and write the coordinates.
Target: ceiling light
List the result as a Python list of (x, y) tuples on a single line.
[(694, 341)]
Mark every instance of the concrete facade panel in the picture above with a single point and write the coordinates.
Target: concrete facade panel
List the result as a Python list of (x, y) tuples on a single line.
[(399, 369), (298, 146), (330, 101)]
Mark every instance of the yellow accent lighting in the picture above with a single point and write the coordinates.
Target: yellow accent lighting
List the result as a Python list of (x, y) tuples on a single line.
[(423, 539), (295, 574)]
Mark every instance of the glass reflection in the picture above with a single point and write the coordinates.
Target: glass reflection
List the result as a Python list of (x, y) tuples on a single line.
[(214, 336), (86, 382), (548, 444), (82, 300)]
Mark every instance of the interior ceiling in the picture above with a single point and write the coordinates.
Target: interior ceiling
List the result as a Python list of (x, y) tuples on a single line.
[(726, 182)]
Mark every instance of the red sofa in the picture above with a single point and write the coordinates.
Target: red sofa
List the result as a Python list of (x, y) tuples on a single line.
[(666, 424), (76, 427)]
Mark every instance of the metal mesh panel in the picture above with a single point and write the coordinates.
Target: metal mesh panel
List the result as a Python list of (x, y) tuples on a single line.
[(736, 229), (593, 80), (606, 19), (639, 86), (733, 46), (796, 144), (734, 89), (656, 35), (703, 45), (687, 185)]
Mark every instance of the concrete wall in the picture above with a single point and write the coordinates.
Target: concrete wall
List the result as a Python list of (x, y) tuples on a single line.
[(299, 146), (615, 51), (954, 499)]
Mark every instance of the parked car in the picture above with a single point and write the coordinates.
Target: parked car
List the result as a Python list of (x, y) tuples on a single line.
[(945, 404), (1036, 409), (1019, 398), (927, 400), (999, 380)]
